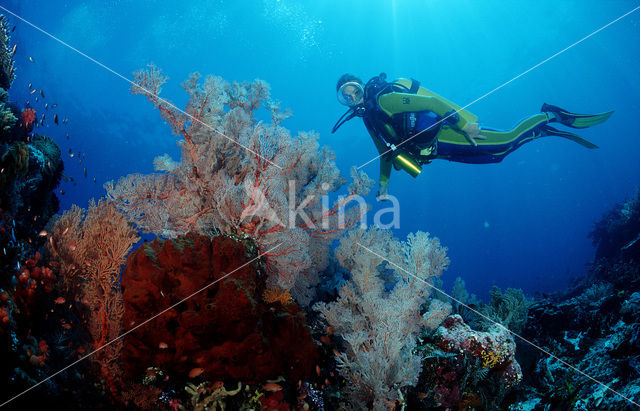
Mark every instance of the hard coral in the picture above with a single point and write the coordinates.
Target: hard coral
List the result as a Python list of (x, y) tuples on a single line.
[(227, 329), (471, 365), (495, 348), (6, 54)]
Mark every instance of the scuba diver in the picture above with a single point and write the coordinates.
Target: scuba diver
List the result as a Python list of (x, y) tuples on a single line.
[(411, 126)]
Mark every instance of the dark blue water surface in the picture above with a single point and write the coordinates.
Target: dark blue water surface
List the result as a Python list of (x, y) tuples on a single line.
[(521, 223)]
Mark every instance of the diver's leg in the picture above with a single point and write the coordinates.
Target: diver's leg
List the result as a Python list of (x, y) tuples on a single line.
[(504, 142), (538, 126), (453, 146)]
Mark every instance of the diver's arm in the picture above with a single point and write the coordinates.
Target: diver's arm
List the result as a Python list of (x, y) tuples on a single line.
[(383, 150), (395, 102), (385, 170)]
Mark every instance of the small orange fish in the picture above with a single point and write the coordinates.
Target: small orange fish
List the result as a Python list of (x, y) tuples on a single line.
[(318, 370), (272, 387), (43, 233), (60, 300), (196, 372), (163, 346), (66, 326)]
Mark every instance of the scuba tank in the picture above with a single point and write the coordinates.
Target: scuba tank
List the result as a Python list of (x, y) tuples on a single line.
[(377, 127)]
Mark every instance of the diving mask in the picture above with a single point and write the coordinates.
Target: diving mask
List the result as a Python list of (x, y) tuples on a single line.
[(350, 94)]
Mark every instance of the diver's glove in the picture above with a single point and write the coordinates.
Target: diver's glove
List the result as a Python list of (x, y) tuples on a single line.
[(382, 195), (472, 132)]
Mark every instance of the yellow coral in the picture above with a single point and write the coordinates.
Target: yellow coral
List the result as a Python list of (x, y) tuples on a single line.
[(490, 359), (273, 295)]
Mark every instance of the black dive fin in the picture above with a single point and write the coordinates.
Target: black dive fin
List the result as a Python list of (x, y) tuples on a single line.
[(576, 120), (565, 134)]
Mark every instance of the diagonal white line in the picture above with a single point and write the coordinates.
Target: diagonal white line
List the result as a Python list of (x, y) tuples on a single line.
[(136, 85), (139, 325), (504, 84), (501, 326)]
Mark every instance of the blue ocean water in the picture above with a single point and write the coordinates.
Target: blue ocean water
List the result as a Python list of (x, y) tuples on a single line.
[(522, 223)]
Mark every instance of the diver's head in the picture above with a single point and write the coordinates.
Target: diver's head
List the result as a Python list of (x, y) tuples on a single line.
[(350, 90)]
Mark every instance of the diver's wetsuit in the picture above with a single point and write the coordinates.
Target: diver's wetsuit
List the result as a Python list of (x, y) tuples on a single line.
[(454, 147), (398, 111)]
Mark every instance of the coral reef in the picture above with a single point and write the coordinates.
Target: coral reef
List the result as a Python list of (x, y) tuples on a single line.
[(31, 170), (617, 234), (225, 332), (28, 117), (7, 73), (594, 326), (241, 175), (7, 118), (89, 250), (33, 341), (380, 324), (470, 368)]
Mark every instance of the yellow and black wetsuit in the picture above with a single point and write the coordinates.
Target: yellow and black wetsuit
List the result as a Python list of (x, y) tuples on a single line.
[(411, 126)]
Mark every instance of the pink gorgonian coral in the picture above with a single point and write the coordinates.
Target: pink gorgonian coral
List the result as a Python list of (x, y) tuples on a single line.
[(239, 174)]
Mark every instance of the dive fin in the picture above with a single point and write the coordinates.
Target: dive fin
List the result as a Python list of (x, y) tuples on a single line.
[(576, 120), (565, 134)]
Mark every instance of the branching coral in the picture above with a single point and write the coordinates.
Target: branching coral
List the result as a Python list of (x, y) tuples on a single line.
[(90, 250), (28, 116), (241, 175), (207, 396), (380, 325)]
